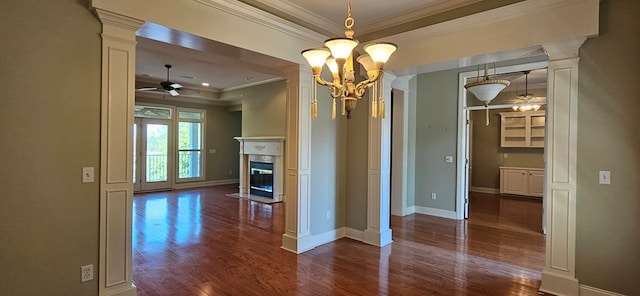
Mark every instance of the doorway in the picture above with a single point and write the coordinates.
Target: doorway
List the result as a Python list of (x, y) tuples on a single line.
[(471, 163), (152, 160)]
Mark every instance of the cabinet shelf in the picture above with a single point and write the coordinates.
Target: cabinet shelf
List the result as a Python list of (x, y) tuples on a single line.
[(522, 129)]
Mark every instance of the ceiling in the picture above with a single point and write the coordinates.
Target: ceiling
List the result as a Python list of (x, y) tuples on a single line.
[(196, 60)]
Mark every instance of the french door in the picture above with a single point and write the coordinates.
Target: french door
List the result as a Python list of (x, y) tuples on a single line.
[(152, 156)]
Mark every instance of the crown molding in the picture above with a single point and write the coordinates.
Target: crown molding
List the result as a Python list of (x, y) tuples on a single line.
[(294, 10), (505, 13), (415, 14), (263, 18)]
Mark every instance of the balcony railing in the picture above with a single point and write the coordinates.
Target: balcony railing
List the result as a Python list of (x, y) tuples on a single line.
[(157, 168)]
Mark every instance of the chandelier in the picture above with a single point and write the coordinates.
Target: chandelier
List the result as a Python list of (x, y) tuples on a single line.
[(338, 55), (486, 89), (526, 97)]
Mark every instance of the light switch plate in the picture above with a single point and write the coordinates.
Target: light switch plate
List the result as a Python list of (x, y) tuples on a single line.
[(604, 177), (87, 174)]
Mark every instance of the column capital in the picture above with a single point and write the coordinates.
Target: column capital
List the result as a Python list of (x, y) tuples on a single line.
[(117, 25), (565, 49)]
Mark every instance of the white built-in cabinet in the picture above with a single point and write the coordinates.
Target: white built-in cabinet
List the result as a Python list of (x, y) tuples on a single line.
[(522, 181), (522, 129)]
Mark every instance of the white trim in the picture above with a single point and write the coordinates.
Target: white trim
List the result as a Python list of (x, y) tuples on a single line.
[(354, 234), (485, 190), (461, 171), (186, 185), (329, 236), (591, 291), (263, 18), (436, 212)]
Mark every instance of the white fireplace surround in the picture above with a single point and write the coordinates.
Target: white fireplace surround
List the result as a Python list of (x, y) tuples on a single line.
[(258, 148)]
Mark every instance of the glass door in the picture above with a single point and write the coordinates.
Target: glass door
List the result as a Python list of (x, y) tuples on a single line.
[(152, 158)]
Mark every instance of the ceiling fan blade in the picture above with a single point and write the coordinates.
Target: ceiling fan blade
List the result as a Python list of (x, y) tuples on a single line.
[(147, 88), (176, 85), (173, 92)]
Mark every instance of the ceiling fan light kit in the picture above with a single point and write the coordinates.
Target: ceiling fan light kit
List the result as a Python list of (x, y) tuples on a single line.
[(338, 55), (526, 97), (170, 87)]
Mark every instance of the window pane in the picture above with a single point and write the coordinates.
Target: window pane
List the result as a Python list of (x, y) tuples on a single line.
[(189, 136), (189, 164), (157, 152), (152, 112), (189, 115)]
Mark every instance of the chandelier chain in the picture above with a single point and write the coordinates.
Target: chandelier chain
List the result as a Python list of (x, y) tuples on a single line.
[(349, 22)]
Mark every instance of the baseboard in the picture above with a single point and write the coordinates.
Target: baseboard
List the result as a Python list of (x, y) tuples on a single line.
[(354, 234), (558, 284), (205, 183), (436, 212), (485, 190), (328, 236), (591, 291), (125, 290)]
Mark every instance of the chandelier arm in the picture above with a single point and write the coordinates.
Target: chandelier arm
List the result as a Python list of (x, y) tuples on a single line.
[(362, 85), (321, 81)]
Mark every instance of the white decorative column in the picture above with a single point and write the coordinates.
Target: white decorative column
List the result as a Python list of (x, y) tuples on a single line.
[(378, 232), (297, 236), (559, 277), (116, 151)]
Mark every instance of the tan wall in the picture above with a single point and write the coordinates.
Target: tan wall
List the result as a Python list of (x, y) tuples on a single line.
[(608, 216), (49, 130), (264, 109), (221, 128)]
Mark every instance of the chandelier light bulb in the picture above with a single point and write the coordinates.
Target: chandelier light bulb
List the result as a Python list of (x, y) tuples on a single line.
[(341, 48), (316, 57), (380, 52)]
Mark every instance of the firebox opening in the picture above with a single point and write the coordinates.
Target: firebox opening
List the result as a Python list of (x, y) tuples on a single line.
[(261, 179)]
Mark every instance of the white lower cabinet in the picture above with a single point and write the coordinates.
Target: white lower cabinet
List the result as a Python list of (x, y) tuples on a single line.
[(522, 181)]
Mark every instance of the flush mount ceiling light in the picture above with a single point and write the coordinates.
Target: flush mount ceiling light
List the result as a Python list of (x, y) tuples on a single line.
[(486, 89), (526, 98), (338, 55)]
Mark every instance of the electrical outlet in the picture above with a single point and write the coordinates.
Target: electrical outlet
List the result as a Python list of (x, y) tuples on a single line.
[(86, 273), (230, 172), (433, 195), (328, 215), (604, 177), (448, 158)]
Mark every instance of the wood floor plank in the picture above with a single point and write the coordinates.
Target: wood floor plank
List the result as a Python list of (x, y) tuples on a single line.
[(202, 242)]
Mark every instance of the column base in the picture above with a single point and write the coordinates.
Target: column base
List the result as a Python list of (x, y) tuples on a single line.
[(377, 238), (559, 284), (297, 244)]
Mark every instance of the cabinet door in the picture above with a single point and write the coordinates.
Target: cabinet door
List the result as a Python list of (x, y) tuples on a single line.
[(514, 181), (536, 183)]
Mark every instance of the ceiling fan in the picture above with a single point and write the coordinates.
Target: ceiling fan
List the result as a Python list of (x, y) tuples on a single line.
[(170, 87)]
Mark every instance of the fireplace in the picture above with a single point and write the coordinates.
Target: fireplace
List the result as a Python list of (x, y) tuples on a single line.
[(261, 178), (261, 167)]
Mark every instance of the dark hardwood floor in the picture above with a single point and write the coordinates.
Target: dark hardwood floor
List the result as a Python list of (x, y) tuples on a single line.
[(201, 242)]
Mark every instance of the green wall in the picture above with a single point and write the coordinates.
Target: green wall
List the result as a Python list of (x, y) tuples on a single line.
[(221, 128), (49, 130), (264, 109), (327, 169), (357, 166), (436, 137), (608, 216)]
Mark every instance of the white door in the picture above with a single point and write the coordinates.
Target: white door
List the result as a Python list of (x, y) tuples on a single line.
[(153, 161), (468, 166)]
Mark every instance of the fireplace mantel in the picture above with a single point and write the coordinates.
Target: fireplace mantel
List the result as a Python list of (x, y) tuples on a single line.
[(253, 147)]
